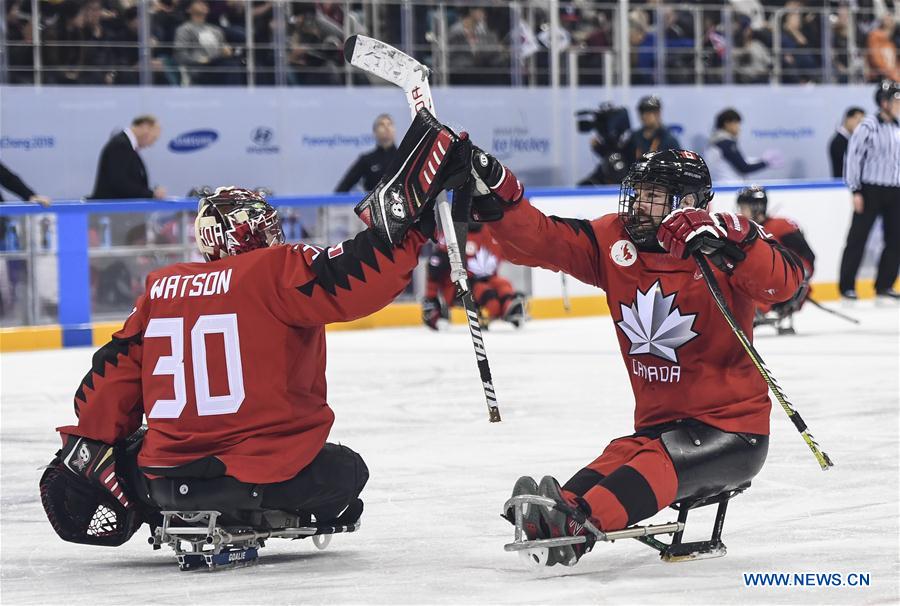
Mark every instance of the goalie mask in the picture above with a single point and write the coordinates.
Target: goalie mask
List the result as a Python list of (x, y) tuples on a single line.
[(233, 221), (660, 183)]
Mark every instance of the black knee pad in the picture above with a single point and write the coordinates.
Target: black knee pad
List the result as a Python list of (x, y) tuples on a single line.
[(709, 461)]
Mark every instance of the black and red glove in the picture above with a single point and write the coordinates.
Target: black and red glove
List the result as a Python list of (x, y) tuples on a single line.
[(96, 462), (494, 187), (722, 237), (431, 158)]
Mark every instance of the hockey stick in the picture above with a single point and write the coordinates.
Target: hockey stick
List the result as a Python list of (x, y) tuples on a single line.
[(382, 60), (567, 304), (793, 415), (832, 311)]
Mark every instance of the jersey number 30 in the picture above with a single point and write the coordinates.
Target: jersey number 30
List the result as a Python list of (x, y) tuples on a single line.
[(173, 329)]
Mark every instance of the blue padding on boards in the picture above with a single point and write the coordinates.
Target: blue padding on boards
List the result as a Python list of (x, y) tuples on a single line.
[(74, 272), (77, 336)]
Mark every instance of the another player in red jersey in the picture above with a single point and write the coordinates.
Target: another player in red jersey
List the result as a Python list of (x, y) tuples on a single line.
[(702, 409), (753, 203), (226, 359), (494, 295)]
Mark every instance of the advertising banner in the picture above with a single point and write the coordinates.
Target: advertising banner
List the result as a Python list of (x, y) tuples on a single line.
[(301, 140)]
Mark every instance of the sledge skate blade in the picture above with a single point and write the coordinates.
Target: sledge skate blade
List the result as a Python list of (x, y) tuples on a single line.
[(213, 562), (716, 552), (543, 543)]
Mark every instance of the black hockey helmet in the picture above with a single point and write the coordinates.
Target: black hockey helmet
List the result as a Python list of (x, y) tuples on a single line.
[(650, 103), (887, 90), (656, 185), (232, 221), (756, 198)]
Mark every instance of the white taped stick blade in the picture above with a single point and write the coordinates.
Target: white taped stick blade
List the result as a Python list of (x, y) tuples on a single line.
[(380, 59), (383, 60)]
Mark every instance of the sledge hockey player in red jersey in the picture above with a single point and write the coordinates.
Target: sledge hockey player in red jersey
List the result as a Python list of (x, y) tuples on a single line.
[(494, 295), (753, 203), (702, 409), (226, 359)]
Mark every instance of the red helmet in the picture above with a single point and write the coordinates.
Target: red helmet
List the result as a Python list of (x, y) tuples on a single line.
[(233, 221)]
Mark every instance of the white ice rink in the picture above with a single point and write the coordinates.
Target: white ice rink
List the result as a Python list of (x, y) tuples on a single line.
[(410, 402)]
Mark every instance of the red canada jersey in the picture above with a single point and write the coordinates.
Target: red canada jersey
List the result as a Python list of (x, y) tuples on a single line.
[(788, 234), (680, 353), (483, 254), (227, 358)]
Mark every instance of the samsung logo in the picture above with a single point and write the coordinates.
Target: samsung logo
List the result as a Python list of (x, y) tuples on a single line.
[(192, 141)]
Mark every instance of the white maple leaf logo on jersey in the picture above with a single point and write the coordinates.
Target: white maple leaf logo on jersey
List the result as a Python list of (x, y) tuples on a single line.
[(483, 264), (654, 326)]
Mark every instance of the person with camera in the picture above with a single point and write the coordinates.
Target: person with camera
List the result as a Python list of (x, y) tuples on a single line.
[(609, 124), (652, 135)]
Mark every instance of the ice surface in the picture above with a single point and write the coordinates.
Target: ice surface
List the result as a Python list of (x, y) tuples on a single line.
[(409, 400)]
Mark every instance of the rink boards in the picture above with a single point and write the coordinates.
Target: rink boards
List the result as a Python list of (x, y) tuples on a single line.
[(822, 209)]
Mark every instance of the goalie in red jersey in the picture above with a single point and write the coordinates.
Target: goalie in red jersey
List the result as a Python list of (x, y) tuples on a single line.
[(753, 203), (701, 408), (494, 295), (227, 361)]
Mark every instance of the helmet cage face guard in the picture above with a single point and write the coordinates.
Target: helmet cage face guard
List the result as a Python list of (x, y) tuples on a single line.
[(235, 221), (644, 202)]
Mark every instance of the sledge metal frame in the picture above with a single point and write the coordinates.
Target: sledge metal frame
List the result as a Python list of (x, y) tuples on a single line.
[(675, 551), (199, 540), (783, 324)]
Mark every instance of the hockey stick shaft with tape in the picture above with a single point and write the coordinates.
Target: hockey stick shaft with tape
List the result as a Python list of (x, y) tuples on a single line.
[(793, 415), (564, 283), (398, 68)]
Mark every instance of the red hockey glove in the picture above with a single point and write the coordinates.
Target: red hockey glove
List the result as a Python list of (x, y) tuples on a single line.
[(94, 461), (495, 187), (430, 159), (680, 233), (722, 237)]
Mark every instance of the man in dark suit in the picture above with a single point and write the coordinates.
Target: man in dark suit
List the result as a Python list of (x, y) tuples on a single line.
[(12, 182), (120, 172), (837, 149)]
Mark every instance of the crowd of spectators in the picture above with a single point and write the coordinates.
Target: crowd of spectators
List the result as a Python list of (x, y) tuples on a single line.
[(206, 41)]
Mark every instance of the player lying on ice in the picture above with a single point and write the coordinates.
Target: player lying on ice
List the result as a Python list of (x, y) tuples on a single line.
[(753, 203), (494, 295), (701, 408), (226, 359)]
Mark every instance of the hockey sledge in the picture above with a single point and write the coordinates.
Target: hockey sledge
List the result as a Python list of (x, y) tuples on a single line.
[(782, 323), (213, 521), (536, 552), (202, 542)]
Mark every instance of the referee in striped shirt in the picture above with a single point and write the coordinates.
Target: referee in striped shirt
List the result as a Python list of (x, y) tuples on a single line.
[(873, 174)]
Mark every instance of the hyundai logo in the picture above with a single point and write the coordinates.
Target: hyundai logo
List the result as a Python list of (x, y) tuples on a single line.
[(262, 135), (192, 141)]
